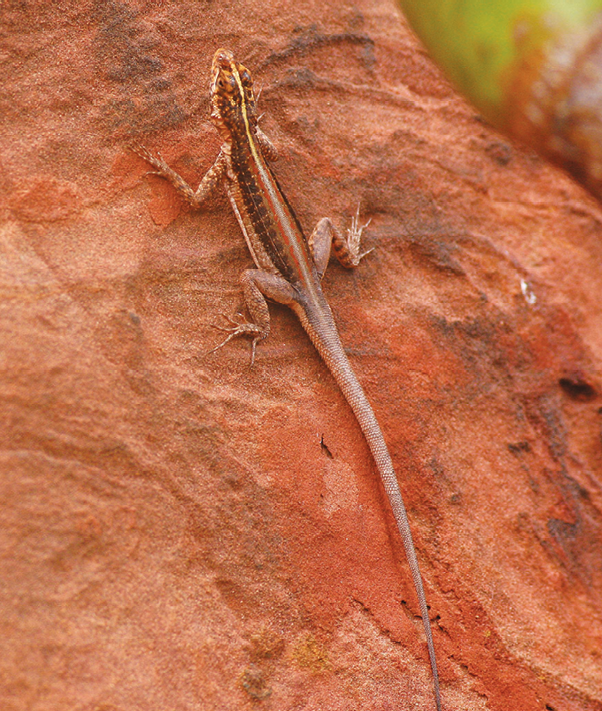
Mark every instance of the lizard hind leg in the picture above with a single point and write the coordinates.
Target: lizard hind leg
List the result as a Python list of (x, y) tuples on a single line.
[(346, 248), (320, 242), (257, 286)]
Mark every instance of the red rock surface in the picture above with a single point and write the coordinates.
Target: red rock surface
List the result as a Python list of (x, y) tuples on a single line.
[(173, 534)]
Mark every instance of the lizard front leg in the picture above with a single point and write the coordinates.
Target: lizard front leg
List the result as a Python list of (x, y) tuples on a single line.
[(257, 286), (268, 149), (212, 178), (346, 248)]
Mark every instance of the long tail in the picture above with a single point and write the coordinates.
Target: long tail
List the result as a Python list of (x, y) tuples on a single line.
[(324, 335)]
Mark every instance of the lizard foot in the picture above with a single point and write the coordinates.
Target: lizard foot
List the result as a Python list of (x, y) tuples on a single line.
[(354, 237), (240, 328)]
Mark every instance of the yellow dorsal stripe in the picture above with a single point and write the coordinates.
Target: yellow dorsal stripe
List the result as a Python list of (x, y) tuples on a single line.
[(243, 107), (271, 193)]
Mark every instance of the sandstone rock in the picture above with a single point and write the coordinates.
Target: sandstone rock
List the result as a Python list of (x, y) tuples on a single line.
[(181, 531)]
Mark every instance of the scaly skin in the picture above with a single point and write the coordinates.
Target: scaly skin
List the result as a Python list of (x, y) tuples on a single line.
[(289, 267)]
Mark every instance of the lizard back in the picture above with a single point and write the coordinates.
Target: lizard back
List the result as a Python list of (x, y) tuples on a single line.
[(260, 205)]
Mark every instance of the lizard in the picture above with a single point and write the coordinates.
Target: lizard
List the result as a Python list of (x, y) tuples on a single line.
[(289, 269)]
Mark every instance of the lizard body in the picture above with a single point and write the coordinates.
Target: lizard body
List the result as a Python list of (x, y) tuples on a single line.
[(289, 267)]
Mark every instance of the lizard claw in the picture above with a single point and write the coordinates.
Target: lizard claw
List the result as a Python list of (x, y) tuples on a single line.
[(355, 231), (354, 238), (240, 328), (232, 321)]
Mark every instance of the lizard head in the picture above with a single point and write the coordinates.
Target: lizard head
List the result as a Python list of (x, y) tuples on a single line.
[(232, 98)]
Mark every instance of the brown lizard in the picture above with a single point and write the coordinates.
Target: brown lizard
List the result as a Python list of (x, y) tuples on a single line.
[(289, 267)]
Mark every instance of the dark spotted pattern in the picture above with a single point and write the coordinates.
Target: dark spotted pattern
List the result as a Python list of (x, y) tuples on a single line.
[(230, 107)]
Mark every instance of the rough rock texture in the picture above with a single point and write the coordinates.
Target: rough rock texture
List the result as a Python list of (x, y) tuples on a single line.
[(180, 531)]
